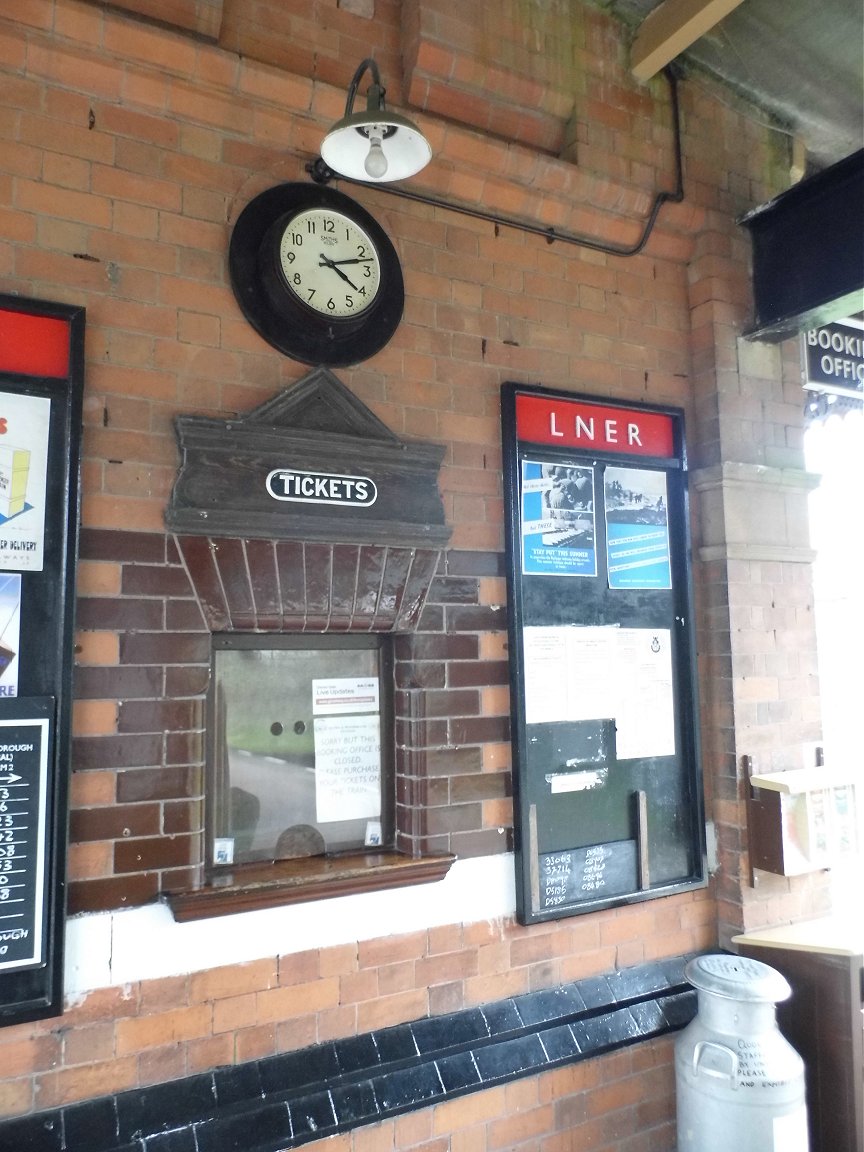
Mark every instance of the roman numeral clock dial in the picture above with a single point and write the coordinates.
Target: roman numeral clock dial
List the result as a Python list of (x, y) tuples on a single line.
[(316, 275)]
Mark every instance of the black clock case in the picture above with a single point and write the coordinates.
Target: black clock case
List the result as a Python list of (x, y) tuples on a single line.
[(276, 313)]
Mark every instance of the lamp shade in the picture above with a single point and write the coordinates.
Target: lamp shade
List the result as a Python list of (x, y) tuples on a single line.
[(346, 147)]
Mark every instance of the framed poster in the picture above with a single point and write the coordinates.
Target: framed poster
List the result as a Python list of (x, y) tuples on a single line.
[(607, 778), (41, 386)]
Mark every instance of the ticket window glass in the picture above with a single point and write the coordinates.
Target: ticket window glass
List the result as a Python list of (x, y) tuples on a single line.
[(299, 762)]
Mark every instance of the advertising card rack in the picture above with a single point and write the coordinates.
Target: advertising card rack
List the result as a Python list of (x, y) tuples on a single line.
[(607, 781), (41, 383)]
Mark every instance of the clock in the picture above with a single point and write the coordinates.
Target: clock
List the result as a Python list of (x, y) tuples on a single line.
[(316, 275)]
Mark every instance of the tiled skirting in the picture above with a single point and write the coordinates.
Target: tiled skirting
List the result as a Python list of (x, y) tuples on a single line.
[(286, 1101)]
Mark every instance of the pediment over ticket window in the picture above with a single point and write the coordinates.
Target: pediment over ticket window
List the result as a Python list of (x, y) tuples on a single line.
[(307, 513), (321, 403)]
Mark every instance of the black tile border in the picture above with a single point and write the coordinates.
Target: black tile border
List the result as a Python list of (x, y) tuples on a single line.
[(282, 1102)]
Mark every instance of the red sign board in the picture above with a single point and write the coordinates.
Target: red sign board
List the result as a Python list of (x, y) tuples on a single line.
[(33, 345), (578, 424)]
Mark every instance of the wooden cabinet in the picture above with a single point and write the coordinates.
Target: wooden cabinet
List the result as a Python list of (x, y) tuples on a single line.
[(823, 960)]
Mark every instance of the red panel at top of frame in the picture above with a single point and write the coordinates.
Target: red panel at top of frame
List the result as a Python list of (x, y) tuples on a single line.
[(578, 424), (32, 345)]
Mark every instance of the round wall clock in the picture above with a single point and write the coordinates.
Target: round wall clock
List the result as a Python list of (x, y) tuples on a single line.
[(316, 275)]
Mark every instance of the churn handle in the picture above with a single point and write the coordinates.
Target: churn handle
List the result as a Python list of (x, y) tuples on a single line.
[(727, 1053)]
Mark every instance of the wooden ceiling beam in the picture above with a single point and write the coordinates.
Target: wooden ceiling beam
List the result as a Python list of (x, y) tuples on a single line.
[(670, 29)]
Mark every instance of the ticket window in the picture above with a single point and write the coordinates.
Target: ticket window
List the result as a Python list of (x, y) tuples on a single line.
[(299, 756)]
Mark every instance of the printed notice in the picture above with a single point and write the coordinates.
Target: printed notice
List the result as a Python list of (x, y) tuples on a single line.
[(569, 674), (637, 528), (10, 622), (645, 721), (24, 422), (558, 528), (347, 767), (623, 674), (23, 790), (345, 694)]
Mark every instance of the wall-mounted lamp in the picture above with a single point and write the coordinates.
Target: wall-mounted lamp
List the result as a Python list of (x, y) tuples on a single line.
[(331, 164), (375, 145)]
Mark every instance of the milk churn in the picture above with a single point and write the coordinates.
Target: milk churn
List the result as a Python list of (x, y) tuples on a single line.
[(740, 1084)]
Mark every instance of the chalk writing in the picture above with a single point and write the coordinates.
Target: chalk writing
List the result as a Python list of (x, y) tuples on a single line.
[(591, 873), (23, 782)]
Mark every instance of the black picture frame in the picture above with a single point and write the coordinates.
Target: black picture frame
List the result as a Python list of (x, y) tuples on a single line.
[(598, 825), (42, 366)]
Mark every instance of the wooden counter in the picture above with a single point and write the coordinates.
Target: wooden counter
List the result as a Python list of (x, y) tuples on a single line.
[(833, 935)]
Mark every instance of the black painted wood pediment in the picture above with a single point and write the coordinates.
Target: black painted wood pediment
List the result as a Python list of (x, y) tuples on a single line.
[(315, 427)]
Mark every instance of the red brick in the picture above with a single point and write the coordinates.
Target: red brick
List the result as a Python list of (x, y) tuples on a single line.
[(134, 1035), (85, 1082)]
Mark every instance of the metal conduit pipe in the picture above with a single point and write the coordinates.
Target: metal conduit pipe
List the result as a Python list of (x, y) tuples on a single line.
[(322, 174)]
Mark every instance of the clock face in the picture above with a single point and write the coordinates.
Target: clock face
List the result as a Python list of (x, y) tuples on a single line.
[(329, 263)]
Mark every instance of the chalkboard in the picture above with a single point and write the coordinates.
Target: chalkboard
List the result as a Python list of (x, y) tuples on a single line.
[(604, 722), (595, 872), (25, 755)]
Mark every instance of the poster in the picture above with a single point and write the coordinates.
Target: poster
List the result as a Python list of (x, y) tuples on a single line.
[(24, 422), (557, 519), (344, 694), (569, 674), (347, 767), (645, 721), (10, 624), (637, 528), (347, 729), (604, 672)]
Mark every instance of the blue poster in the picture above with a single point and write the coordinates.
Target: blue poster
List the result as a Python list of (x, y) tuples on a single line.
[(558, 530), (637, 528), (10, 621)]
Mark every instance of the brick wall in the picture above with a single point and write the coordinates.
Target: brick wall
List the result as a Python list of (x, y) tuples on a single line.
[(138, 803), (149, 1032), (129, 149)]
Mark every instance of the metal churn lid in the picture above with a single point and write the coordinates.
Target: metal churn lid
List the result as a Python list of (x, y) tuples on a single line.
[(738, 978)]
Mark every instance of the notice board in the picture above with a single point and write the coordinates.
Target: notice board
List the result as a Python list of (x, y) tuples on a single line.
[(606, 770), (41, 383)]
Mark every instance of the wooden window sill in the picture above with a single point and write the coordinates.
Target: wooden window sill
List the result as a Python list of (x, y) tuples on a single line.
[(248, 887)]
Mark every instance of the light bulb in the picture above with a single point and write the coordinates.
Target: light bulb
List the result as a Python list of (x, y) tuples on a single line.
[(375, 162)]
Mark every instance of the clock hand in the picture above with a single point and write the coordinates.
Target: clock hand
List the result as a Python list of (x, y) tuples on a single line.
[(325, 263), (356, 260)]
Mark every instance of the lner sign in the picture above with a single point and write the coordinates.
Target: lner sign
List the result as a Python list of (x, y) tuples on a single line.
[(578, 424)]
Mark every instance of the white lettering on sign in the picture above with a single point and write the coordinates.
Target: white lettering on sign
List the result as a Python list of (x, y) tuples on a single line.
[(321, 488), (23, 803), (846, 343), (610, 431), (834, 355), (845, 369)]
